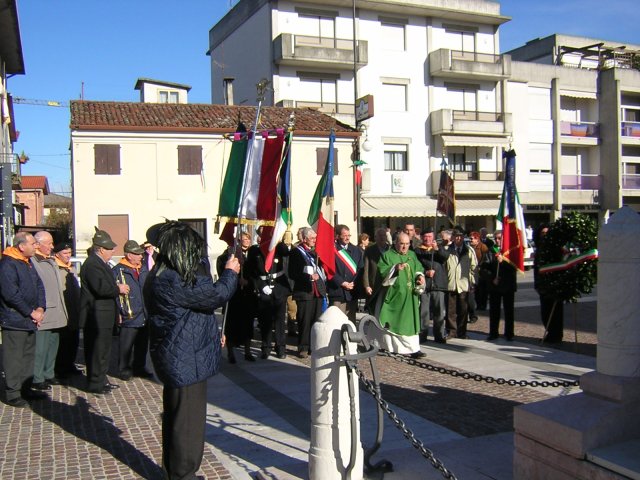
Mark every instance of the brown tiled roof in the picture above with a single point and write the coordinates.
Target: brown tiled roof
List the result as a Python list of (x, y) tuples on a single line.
[(35, 182), (126, 116)]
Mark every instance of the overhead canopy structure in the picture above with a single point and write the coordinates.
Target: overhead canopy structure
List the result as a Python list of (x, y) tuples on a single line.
[(405, 206), (474, 141)]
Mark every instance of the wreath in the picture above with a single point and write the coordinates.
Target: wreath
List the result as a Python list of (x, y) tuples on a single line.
[(566, 258)]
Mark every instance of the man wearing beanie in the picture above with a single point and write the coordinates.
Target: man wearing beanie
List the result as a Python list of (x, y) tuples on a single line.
[(134, 335)]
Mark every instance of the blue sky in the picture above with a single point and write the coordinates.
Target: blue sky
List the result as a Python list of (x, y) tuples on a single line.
[(107, 46)]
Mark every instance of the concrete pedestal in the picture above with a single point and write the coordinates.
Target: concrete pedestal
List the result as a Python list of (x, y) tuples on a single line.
[(554, 438)]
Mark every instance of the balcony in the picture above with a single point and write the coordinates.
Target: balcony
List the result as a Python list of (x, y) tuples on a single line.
[(464, 122), (469, 65), (581, 182), (579, 133), (328, 52), (344, 112), (473, 182), (631, 181), (630, 132)]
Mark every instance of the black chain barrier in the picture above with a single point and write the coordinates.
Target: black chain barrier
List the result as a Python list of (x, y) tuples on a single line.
[(407, 432), (477, 377)]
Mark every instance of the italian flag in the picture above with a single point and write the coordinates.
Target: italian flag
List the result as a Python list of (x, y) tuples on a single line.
[(321, 214), (511, 216), (254, 162), (272, 235)]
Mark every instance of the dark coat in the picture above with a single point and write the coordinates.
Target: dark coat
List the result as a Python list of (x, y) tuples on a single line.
[(434, 260), (343, 274), (302, 284), (99, 294), (276, 278), (371, 276), (184, 334), (21, 292), (135, 295), (506, 274)]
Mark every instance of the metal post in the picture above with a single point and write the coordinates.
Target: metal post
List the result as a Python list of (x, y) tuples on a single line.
[(356, 150)]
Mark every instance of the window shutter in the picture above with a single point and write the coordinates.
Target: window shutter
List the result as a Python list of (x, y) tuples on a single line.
[(189, 159), (321, 160), (107, 159)]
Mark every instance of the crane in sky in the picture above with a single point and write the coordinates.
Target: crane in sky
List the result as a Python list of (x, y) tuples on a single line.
[(42, 103)]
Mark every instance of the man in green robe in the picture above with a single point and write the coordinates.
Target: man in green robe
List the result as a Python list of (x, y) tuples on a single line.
[(398, 307)]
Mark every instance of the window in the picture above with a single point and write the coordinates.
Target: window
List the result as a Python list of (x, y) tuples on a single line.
[(107, 159), (393, 36), (200, 226), (189, 159), (461, 38), (462, 98), (394, 97), (165, 96), (319, 92), (228, 91), (317, 29), (463, 159), (321, 160), (395, 157), (117, 226)]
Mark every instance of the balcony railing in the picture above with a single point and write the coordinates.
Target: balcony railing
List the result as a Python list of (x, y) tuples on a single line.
[(631, 181), (630, 129), (477, 116), (475, 56), (478, 175), (579, 129), (581, 182), (327, 107), (328, 42)]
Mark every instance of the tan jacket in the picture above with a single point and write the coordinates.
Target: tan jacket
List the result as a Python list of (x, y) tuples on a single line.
[(461, 271)]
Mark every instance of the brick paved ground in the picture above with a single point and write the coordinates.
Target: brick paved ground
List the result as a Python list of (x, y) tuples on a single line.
[(78, 435)]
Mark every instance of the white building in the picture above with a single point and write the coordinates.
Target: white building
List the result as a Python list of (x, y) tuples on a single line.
[(568, 105), (135, 164), (576, 110), (434, 72)]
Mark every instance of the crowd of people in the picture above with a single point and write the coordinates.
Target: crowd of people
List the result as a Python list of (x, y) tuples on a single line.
[(162, 302)]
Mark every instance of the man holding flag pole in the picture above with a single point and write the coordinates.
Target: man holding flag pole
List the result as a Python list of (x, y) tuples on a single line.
[(508, 255)]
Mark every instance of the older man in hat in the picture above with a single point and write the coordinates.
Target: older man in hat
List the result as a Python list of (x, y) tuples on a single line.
[(99, 310), (461, 275), (134, 335)]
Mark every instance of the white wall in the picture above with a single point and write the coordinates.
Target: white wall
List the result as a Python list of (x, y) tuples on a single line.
[(149, 188)]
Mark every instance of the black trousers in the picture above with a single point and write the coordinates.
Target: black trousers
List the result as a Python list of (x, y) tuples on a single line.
[(457, 314), (183, 426), (97, 350), (18, 355), (506, 299), (308, 313), (556, 325), (272, 316), (67, 351), (133, 346)]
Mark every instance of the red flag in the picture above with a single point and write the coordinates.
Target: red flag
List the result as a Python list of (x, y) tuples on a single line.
[(446, 197)]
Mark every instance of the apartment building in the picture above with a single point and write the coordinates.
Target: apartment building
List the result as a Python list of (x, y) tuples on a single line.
[(576, 108), (433, 70)]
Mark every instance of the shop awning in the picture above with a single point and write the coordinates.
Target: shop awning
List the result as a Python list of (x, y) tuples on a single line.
[(406, 206), (578, 94), (474, 141)]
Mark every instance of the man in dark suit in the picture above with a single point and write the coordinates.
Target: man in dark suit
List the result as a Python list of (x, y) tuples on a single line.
[(309, 287), (272, 289), (349, 265), (99, 310), (371, 280)]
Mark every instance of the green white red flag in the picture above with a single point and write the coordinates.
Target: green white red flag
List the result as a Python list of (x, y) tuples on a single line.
[(511, 216), (321, 214)]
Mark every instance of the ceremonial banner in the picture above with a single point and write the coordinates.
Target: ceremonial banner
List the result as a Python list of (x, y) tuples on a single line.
[(321, 214), (511, 216), (446, 197)]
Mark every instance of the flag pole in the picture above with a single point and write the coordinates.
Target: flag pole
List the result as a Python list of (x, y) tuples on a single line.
[(261, 87), (288, 234)]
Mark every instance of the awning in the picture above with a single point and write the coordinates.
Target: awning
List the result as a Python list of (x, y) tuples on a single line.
[(471, 141), (578, 94), (405, 206)]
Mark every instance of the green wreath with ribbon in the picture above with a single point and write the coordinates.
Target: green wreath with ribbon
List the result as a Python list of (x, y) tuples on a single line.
[(567, 258)]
